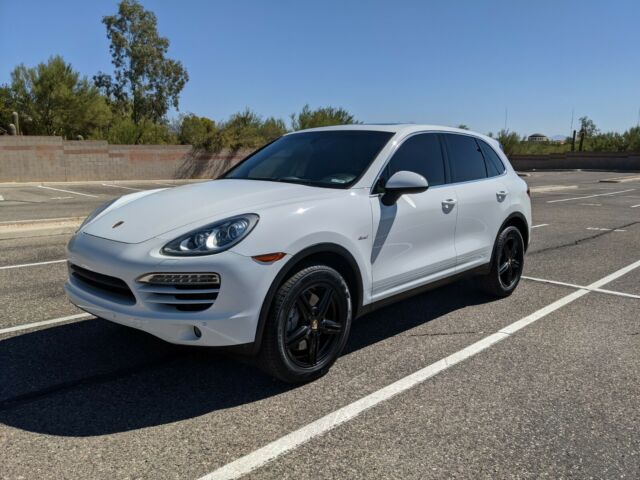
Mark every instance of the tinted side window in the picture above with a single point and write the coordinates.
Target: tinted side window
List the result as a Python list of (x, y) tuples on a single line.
[(465, 158), (495, 166), (420, 154)]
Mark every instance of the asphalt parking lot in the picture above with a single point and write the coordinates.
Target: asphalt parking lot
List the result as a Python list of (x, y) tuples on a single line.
[(451, 383)]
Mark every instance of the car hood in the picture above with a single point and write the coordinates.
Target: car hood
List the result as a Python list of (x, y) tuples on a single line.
[(141, 216)]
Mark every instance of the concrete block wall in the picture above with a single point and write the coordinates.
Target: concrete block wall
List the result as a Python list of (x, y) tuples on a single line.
[(52, 159), (622, 161)]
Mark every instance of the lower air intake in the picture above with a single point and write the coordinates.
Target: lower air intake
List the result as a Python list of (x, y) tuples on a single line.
[(185, 292)]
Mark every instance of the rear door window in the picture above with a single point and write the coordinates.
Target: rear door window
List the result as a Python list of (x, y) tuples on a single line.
[(495, 166), (465, 158)]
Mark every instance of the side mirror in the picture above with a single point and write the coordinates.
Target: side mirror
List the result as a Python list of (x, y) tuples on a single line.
[(403, 182)]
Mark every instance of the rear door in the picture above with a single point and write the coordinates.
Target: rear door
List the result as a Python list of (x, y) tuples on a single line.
[(481, 195), (414, 238)]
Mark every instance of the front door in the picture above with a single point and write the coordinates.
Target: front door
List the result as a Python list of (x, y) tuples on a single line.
[(414, 238)]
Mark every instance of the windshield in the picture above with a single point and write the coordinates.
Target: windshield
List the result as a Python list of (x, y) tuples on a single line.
[(331, 158)]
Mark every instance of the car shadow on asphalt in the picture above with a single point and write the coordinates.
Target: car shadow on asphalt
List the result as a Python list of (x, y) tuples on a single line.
[(96, 378)]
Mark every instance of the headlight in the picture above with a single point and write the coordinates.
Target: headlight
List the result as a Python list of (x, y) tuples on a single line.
[(97, 212), (212, 238)]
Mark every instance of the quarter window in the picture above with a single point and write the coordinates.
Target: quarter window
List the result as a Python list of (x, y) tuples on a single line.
[(465, 158), (495, 166), (420, 154)]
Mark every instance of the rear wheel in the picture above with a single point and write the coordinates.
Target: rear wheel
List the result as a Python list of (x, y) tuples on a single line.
[(507, 265), (308, 325)]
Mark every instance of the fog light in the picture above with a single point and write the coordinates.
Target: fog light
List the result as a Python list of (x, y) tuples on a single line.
[(197, 332)]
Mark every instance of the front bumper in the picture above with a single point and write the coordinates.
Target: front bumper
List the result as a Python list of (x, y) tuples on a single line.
[(231, 320)]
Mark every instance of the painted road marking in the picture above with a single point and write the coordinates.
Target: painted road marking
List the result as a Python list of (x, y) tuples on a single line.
[(17, 328), (572, 285), (271, 451), (552, 188), (590, 196), (69, 191), (22, 265), (1, 198), (60, 198), (120, 186), (635, 206), (606, 229), (541, 225), (591, 204)]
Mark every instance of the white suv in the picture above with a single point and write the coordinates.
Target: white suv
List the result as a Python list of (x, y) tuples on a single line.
[(309, 232)]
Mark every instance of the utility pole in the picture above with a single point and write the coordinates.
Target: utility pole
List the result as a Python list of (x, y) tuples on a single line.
[(571, 128)]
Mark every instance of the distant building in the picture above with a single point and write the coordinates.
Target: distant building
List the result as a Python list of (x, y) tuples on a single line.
[(538, 138)]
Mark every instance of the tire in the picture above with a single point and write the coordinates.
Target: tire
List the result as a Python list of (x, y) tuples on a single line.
[(308, 325), (507, 264)]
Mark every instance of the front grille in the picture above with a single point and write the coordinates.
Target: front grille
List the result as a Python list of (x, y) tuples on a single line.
[(115, 288), (184, 292)]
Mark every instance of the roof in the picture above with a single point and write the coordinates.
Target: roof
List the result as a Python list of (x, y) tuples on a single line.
[(400, 128), (537, 135)]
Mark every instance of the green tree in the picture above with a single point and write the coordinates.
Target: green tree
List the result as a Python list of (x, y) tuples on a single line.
[(52, 99), (510, 141), (6, 107), (272, 128), (242, 130), (201, 132), (145, 82), (632, 139), (588, 126), (122, 130), (462, 126), (320, 117)]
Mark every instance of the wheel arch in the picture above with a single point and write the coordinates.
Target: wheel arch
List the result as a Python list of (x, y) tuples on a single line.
[(519, 221), (330, 254)]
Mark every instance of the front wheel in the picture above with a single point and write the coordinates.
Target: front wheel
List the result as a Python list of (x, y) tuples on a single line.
[(507, 264), (308, 325)]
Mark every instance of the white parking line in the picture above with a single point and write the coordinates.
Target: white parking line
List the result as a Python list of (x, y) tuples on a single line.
[(541, 225), (606, 229), (572, 285), (17, 328), (120, 186), (69, 191), (271, 451), (635, 206), (22, 265), (590, 196)]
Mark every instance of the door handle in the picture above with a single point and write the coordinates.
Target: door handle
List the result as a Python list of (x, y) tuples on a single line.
[(449, 202), (501, 195)]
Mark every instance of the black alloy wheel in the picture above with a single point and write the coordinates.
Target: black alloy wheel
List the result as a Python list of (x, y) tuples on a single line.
[(314, 325), (507, 264), (510, 261), (307, 326)]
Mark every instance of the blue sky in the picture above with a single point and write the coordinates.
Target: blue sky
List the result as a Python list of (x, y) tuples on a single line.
[(445, 62)]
